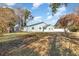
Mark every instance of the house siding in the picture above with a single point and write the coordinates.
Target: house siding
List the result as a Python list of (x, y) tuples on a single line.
[(42, 27), (49, 29), (37, 28)]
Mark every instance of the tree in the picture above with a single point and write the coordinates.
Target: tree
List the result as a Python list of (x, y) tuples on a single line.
[(7, 18), (23, 16), (28, 15), (54, 7), (3, 25), (70, 21), (77, 10)]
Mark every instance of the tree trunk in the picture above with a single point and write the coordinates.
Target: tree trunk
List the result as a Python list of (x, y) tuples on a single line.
[(65, 31)]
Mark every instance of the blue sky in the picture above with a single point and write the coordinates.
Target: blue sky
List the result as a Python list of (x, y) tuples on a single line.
[(42, 11)]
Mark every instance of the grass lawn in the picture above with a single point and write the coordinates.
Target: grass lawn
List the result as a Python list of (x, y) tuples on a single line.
[(11, 36), (14, 36), (16, 41), (39, 43)]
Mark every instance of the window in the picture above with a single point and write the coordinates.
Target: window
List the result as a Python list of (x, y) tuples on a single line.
[(32, 27), (39, 27)]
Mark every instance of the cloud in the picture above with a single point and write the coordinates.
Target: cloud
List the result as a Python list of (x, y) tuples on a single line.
[(36, 5), (48, 13), (49, 17), (48, 20), (60, 11), (49, 9), (10, 4), (53, 19), (38, 18)]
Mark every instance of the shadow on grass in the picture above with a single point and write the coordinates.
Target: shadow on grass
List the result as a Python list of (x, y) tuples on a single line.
[(54, 51), (12, 46), (56, 48), (68, 52), (5, 47), (23, 52)]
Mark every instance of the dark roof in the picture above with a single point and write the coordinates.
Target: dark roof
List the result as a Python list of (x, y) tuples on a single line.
[(35, 24)]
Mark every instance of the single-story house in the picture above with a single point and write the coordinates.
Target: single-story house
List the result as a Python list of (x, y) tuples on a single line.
[(41, 27), (37, 27)]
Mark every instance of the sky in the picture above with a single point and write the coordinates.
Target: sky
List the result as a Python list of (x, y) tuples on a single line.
[(42, 11)]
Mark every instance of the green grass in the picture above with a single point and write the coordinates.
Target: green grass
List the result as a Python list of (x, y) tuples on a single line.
[(11, 36), (14, 36)]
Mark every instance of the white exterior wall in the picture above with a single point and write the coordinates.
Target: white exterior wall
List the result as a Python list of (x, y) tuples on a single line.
[(36, 28), (49, 29), (58, 30)]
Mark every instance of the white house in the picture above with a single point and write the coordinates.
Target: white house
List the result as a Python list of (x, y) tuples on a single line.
[(37, 27), (49, 28), (42, 27)]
